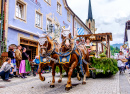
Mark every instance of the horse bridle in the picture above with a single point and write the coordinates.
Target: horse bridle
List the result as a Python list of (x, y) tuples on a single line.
[(44, 47), (65, 40)]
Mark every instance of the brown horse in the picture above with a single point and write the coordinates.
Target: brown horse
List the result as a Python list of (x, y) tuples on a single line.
[(47, 50), (68, 46)]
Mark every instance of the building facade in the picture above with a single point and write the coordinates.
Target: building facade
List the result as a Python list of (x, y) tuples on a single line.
[(24, 18), (127, 35)]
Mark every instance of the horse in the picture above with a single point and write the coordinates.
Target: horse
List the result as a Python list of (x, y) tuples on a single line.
[(48, 57), (76, 55)]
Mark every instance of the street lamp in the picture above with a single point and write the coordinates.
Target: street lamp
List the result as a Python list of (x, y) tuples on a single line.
[(51, 28)]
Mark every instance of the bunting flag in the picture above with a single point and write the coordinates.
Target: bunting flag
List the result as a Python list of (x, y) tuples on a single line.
[(80, 31)]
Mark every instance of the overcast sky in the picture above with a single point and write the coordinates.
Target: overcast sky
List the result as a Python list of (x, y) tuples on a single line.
[(109, 15)]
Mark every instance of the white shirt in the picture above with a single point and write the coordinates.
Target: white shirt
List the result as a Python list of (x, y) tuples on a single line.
[(120, 63)]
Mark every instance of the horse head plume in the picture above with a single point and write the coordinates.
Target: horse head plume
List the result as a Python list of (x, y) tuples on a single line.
[(65, 32)]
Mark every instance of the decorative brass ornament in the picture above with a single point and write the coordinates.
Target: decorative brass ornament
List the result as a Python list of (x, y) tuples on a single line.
[(124, 46), (92, 37)]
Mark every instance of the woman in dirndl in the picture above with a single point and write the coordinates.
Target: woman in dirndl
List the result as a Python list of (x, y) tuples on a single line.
[(88, 45), (24, 65)]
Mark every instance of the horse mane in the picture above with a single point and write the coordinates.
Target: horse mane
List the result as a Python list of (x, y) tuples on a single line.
[(50, 44)]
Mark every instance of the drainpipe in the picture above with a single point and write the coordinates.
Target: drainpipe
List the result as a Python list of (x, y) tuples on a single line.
[(1, 26), (4, 25), (73, 24)]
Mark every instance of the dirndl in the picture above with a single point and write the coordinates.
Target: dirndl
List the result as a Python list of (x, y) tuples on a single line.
[(13, 61), (22, 68), (28, 67)]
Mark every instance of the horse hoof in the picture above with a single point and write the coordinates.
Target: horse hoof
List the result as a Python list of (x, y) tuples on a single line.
[(59, 81), (52, 86), (83, 83), (42, 79), (68, 88)]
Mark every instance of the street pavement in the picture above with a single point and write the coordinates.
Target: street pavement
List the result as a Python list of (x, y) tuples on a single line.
[(116, 84)]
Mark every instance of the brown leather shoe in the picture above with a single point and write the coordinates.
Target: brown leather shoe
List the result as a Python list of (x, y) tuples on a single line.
[(7, 80)]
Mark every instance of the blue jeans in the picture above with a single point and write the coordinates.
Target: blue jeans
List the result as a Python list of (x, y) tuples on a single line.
[(5, 75)]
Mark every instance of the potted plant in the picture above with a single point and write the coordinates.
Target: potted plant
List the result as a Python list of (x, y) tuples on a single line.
[(92, 53), (4, 53), (102, 55)]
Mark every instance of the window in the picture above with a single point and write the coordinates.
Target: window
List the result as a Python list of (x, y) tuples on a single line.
[(48, 24), (68, 16), (48, 2), (58, 8), (20, 10), (56, 33), (38, 20), (89, 25), (75, 25)]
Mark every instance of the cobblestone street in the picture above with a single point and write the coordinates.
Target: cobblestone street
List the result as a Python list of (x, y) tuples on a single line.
[(32, 85)]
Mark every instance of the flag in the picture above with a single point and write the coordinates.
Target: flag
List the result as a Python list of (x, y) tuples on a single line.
[(80, 31)]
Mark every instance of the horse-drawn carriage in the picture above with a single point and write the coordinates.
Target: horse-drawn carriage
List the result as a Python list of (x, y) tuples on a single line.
[(67, 55)]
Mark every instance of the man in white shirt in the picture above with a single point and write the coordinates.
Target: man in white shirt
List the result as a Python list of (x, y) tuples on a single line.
[(5, 70)]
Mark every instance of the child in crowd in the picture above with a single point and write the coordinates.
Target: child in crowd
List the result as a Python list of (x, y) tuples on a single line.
[(36, 65)]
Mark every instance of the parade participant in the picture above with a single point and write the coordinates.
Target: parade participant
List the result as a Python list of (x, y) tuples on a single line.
[(18, 57), (87, 45), (5, 70), (77, 42), (11, 54), (24, 65), (120, 63), (83, 41)]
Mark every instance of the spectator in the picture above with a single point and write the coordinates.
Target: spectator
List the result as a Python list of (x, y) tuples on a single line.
[(11, 54), (24, 65), (18, 57), (128, 63), (36, 65), (5, 70), (120, 63)]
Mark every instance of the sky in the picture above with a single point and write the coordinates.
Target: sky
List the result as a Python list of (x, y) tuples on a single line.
[(109, 15)]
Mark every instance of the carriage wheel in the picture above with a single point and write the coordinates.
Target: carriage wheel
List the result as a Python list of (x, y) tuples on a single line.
[(93, 75)]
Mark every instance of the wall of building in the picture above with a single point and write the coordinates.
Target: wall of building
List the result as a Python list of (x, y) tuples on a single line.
[(48, 11), (128, 33)]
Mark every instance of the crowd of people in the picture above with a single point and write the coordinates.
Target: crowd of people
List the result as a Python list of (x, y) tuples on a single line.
[(17, 64)]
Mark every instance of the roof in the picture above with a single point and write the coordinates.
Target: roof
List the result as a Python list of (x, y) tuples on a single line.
[(77, 17), (98, 37), (90, 16)]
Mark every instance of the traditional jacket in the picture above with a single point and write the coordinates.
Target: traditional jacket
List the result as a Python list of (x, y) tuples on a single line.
[(10, 54)]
